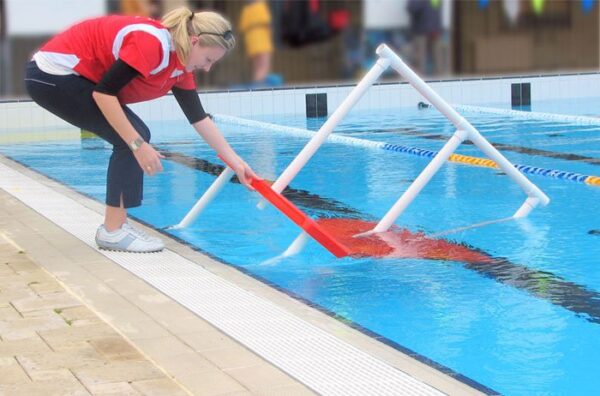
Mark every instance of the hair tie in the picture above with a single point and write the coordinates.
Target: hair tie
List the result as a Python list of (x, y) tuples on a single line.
[(191, 16)]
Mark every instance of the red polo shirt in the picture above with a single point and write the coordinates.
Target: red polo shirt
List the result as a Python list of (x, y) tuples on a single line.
[(91, 47)]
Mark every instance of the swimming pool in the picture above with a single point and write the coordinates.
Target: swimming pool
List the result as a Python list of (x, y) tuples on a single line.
[(525, 323)]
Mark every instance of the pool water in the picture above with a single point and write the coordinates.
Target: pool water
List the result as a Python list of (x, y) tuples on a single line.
[(526, 322)]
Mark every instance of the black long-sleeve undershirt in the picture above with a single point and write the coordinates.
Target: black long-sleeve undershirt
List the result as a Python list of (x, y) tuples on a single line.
[(120, 74)]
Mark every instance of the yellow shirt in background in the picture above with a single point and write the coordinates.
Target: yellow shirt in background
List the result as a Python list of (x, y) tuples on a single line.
[(255, 23)]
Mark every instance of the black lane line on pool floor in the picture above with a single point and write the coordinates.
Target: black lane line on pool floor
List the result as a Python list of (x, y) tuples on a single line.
[(582, 301)]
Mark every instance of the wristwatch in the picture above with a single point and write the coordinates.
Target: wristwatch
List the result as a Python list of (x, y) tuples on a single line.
[(136, 143)]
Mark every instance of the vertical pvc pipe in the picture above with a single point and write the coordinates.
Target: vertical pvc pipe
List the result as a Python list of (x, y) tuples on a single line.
[(317, 140), (206, 198), (409, 195)]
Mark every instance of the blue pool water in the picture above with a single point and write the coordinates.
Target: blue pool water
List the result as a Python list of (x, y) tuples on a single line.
[(527, 324)]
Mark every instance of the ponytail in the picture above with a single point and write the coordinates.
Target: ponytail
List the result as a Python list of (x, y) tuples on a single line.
[(182, 23)]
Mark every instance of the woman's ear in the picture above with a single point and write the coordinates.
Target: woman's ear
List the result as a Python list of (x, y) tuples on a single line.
[(194, 40)]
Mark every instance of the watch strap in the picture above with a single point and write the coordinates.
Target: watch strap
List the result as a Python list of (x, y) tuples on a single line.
[(135, 144)]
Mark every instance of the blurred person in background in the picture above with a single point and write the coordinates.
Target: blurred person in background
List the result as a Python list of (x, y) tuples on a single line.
[(426, 31), (443, 48), (255, 25), (144, 8), (384, 21), (302, 23), (87, 74)]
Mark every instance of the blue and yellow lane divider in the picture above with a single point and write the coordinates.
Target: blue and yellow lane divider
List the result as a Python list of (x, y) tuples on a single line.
[(457, 158), (488, 163)]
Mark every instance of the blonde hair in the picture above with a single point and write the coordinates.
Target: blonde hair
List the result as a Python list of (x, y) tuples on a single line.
[(183, 23)]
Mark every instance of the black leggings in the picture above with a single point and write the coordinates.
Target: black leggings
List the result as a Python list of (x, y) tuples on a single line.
[(70, 98)]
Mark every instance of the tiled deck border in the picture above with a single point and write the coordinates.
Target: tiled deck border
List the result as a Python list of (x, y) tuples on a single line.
[(171, 333)]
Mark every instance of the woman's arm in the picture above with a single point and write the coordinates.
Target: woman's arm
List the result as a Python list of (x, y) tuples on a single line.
[(147, 157), (211, 134), (111, 109), (105, 96), (192, 108)]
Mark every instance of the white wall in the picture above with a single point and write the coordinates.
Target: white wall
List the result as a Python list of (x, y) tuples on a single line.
[(46, 17)]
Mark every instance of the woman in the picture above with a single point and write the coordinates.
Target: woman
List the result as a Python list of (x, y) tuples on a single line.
[(87, 74)]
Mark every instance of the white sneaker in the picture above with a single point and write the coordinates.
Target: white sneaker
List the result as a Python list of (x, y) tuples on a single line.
[(127, 239)]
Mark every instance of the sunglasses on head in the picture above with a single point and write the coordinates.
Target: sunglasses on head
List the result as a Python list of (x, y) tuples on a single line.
[(228, 35)]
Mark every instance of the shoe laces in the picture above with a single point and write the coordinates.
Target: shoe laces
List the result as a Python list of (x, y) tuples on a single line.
[(138, 233)]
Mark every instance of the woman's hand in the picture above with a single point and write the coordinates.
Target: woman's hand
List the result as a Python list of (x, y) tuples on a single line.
[(146, 156), (244, 173), (148, 159), (209, 132)]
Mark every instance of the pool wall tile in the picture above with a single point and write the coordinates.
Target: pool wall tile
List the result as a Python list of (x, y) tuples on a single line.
[(280, 105), (539, 90), (299, 105), (225, 103), (389, 97), (17, 114), (170, 109), (264, 100), (254, 101), (286, 106), (245, 103)]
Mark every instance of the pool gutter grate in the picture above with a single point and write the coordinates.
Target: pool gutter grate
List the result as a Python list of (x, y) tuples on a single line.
[(319, 360)]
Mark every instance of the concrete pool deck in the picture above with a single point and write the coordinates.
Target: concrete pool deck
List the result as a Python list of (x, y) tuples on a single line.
[(82, 296)]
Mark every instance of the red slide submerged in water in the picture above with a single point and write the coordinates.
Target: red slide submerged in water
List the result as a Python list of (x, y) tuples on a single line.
[(337, 236), (397, 242)]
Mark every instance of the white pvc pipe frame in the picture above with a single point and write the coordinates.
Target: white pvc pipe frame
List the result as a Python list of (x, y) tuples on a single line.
[(464, 131)]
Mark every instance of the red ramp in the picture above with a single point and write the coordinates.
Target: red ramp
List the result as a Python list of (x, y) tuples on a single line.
[(301, 219)]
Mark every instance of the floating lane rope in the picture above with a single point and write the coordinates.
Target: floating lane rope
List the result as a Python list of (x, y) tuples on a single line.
[(457, 158), (488, 163), (531, 115)]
